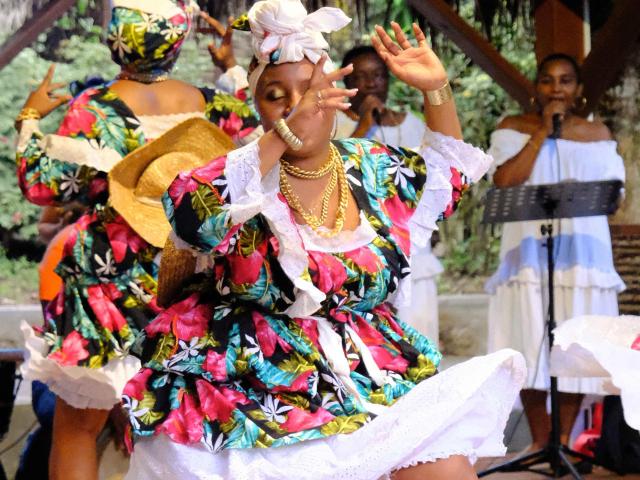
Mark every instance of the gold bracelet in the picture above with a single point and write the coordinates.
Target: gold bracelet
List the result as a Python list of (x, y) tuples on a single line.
[(287, 135), (440, 96), (28, 114)]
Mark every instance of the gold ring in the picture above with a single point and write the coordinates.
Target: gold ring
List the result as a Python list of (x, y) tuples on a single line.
[(319, 95)]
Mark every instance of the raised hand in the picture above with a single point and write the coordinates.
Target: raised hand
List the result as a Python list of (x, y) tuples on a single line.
[(320, 100), (43, 98), (222, 55), (418, 66)]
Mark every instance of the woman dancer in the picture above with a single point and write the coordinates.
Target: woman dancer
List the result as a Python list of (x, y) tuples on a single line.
[(109, 270), (585, 279), (288, 362)]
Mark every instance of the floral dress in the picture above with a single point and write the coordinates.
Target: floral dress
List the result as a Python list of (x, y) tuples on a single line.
[(109, 271), (282, 340)]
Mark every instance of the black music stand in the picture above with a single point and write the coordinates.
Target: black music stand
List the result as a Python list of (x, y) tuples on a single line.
[(548, 202)]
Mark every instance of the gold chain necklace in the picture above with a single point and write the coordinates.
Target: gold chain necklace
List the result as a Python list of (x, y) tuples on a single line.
[(308, 174), (317, 223)]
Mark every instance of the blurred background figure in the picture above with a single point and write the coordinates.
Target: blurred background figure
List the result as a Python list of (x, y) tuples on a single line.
[(370, 117), (534, 149)]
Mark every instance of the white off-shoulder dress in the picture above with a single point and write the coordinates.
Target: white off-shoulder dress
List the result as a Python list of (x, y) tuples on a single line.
[(586, 282)]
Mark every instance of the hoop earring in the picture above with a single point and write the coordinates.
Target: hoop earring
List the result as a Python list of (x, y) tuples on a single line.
[(583, 101), (335, 127), (532, 101)]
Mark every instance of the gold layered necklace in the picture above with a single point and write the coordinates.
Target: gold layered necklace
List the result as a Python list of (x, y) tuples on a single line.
[(338, 179)]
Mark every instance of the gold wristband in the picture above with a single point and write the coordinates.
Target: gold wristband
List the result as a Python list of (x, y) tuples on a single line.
[(283, 130), (28, 114), (440, 96)]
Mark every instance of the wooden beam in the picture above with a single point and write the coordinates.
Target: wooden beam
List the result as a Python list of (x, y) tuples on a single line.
[(33, 27), (560, 28), (617, 38), (475, 46)]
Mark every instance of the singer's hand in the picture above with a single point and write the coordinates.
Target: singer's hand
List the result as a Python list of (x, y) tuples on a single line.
[(370, 104), (552, 108)]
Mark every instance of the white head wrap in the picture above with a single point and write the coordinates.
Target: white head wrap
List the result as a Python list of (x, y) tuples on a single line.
[(163, 8), (282, 32)]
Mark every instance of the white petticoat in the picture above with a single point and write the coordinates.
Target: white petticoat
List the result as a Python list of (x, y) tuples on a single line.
[(517, 313), (461, 411), (80, 387), (598, 346)]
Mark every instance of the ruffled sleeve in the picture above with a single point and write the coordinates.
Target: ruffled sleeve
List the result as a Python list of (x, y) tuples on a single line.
[(506, 144), (72, 165), (451, 166)]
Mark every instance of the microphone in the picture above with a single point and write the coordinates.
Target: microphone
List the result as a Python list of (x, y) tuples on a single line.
[(557, 125), (377, 116)]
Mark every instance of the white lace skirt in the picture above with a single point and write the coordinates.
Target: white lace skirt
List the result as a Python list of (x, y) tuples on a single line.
[(517, 319), (461, 411), (597, 346), (80, 387)]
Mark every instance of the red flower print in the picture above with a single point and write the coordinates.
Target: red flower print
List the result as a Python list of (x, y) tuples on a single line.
[(298, 419), (79, 119), (636, 343), (216, 364), (399, 213), (74, 349), (178, 19), (267, 337), (210, 171), (218, 404), (365, 259), (100, 298), (223, 246), (184, 183), (138, 384), (247, 269), (300, 384), (232, 126), (398, 364), (184, 424), (310, 328), (378, 149), (329, 271), (186, 319), (122, 236), (97, 187)]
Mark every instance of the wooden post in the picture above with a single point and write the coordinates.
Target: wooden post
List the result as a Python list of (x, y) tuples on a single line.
[(441, 16), (561, 28), (29, 32)]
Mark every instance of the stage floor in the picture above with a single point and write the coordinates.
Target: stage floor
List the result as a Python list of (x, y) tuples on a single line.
[(598, 473)]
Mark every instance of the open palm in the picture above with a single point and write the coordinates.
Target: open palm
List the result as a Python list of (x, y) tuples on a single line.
[(417, 66)]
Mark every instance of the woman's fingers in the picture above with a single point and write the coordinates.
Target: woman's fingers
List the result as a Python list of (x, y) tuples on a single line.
[(213, 23), (338, 74), (49, 76), (317, 75), (334, 104), (400, 37), (386, 41), (420, 36), (327, 93), (59, 100), (56, 86)]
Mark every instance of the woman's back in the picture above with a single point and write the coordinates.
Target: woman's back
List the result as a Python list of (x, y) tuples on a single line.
[(163, 98)]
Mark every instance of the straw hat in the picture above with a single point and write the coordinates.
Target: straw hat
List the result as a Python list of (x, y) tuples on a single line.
[(137, 182)]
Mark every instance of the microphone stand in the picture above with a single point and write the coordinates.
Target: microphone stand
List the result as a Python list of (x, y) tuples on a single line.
[(547, 202)]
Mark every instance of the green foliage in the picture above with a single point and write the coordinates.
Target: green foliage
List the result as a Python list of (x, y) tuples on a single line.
[(18, 276), (469, 248)]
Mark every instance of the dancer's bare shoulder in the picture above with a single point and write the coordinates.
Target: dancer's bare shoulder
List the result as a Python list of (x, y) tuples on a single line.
[(524, 123)]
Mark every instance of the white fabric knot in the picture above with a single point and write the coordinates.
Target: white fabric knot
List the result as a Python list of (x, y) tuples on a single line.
[(283, 26)]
